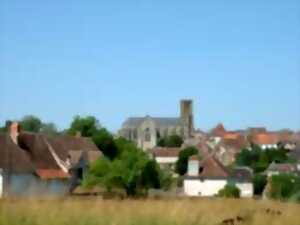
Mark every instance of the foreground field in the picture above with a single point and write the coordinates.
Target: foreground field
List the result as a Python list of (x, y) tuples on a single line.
[(146, 212)]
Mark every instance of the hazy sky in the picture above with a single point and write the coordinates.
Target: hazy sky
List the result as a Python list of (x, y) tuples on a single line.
[(238, 60)]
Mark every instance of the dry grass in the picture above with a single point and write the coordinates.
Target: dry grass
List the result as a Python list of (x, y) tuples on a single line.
[(94, 211)]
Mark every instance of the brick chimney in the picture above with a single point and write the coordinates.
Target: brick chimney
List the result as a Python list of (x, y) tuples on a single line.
[(14, 130)]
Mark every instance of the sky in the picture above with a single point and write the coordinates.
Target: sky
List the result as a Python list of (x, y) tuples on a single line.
[(239, 61)]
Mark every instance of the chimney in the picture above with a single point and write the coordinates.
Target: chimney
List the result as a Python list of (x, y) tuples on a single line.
[(14, 131), (193, 166)]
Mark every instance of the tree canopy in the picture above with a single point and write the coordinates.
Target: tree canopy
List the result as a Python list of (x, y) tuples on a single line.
[(259, 159), (31, 123), (132, 170), (170, 141), (87, 126), (182, 162), (229, 191)]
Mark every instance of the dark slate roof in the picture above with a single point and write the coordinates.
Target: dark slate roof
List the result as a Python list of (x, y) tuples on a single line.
[(160, 121), (33, 151), (12, 157)]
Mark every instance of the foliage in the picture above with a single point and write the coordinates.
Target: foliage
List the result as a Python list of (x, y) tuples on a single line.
[(182, 162), (170, 141), (259, 160), (285, 187), (105, 142), (31, 123), (131, 170), (87, 126), (229, 191), (259, 183), (49, 129)]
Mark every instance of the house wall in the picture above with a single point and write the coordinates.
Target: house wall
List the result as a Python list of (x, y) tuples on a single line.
[(206, 187), (28, 185), (247, 189), (162, 160)]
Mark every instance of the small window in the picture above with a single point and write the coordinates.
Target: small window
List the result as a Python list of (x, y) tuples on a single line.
[(147, 135)]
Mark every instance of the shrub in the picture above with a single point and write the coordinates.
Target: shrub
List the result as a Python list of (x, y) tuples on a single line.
[(259, 182), (229, 191)]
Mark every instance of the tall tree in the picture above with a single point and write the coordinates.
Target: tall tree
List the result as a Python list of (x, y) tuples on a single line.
[(87, 126), (31, 123), (182, 162)]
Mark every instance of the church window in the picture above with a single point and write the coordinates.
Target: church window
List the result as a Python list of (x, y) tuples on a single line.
[(147, 135)]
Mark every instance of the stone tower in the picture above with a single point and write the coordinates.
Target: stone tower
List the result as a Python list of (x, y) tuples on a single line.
[(187, 117)]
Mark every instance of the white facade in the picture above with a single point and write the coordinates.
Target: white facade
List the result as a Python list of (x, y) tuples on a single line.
[(206, 187), (246, 189), (1, 183), (166, 160), (267, 146), (211, 187)]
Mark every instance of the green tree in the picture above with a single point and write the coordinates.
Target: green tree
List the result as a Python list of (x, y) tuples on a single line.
[(131, 170), (105, 142), (31, 123), (170, 141), (285, 187), (182, 162), (229, 191), (259, 160), (49, 129), (87, 126), (259, 182)]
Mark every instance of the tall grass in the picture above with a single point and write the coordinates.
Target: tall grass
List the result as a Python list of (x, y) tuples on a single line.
[(93, 211)]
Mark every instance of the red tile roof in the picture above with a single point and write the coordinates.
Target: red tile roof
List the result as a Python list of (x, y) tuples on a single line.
[(265, 139), (165, 152), (47, 174), (213, 168)]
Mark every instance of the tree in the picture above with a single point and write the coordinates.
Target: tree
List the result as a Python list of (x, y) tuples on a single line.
[(31, 123), (49, 129), (131, 171), (170, 141), (229, 191), (105, 142), (182, 162), (259, 182), (87, 126), (285, 187), (259, 160)]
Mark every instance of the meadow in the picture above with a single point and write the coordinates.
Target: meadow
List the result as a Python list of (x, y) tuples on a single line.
[(94, 211)]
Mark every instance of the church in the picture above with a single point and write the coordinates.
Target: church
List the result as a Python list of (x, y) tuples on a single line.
[(146, 131)]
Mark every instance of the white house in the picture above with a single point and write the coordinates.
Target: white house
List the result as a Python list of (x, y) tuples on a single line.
[(165, 157), (208, 177)]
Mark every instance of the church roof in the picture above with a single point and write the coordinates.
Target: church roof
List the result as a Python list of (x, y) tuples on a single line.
[(160, 121)]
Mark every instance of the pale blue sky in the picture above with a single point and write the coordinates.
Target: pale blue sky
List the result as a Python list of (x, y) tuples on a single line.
[(238, 60)]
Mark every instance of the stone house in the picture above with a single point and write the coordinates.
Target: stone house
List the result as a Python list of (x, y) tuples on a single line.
[(39, 165)]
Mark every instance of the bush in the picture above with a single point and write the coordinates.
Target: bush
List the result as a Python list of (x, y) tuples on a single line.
[(229, 191), (259, 182), (285, 187), (170, 141)]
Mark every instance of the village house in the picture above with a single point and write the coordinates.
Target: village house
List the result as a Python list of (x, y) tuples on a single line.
[(165, 157), (146, 131), (36, 164), (281, 168), (208, 176)]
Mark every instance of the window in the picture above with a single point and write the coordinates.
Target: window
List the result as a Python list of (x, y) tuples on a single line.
[(147, 135)]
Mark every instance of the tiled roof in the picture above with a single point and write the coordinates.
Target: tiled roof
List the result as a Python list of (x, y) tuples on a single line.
[(219, 130), (47, 174), (265, 139), (160, 121), (211, 167), (165, 152), (282, 167)]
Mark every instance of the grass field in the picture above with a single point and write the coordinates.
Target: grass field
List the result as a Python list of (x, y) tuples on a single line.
[(92, 211)]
